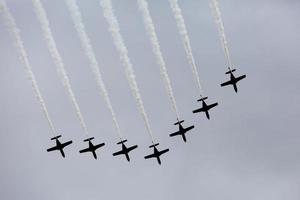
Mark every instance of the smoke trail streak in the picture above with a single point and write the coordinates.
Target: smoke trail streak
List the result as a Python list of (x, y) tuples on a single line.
[(88, 49), (143, 5), (220, 25), (121, 48), (15, 33), (186, 41), (42, 17)]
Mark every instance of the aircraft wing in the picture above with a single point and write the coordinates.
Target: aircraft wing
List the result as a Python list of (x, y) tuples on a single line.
[(118, 153), (189, 128), (52, 148), (198, 110), (212, 105), (99, 145), (66, 144), (150, 156), (240, 78), (176, 133), (164, 151), (133, 147), (227, 83), (85, 150)]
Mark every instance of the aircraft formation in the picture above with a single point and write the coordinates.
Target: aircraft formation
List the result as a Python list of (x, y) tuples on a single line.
[(108, 12), (156, 153)]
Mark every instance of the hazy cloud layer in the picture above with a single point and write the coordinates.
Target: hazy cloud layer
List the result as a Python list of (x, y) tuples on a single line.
[(248, 150)]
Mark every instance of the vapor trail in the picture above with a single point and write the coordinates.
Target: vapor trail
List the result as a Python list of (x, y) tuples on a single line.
[(121, 48), (220, 25), (18, 43), (88, 49), (42, 17), (143, 5), (186, 41)]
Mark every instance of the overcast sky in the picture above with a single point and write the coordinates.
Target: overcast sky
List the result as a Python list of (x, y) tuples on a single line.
[(248, 150)]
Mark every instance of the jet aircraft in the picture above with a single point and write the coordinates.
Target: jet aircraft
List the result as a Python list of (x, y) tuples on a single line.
[(59, 146), (92, 148), (125, 150), (182, 131), (233, 80), (156, 154), (205, 108)]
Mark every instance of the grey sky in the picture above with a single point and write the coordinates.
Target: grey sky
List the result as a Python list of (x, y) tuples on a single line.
[(248, 150)]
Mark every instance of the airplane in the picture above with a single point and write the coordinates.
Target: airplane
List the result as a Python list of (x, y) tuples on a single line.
[(182, 131), (233, 80), (92, 148), (156, 154), (125, 150), (59, 146), (205, 108)]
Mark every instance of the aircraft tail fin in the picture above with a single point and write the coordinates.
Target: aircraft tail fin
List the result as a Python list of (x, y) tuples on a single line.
[(230, 71), (88, 139), (153, 145), (179, 122), (56, 137), (122, 141), (202, 99)]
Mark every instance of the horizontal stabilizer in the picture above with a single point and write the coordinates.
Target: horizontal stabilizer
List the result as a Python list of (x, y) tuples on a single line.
[(89, 139), (179, 122), (230, 71), (56, 137), (202, 99), (121, 142), (154, 145)]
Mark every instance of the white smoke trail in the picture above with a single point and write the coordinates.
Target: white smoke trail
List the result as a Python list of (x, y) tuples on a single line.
[(15, 33), (143, 5), (86, 45), (120, 46), (42, 17), (220, 25), (186, 41)]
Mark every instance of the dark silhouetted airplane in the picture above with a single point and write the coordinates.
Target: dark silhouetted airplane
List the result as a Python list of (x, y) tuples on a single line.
[(125, 150), (182, 131), (205, 108), (233, 80), (156, 154), (59, 146), (92, 148)]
